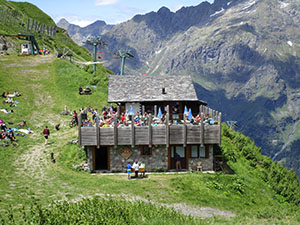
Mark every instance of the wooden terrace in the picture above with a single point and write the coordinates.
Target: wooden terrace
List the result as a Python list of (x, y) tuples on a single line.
[(163, 134)]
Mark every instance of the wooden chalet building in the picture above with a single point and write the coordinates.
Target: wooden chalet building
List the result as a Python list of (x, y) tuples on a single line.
[(111, 148)]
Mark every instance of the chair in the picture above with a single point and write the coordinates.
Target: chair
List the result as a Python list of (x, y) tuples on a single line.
[(199, 166)]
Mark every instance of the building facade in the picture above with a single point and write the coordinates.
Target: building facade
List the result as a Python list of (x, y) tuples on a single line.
[(110, 148)]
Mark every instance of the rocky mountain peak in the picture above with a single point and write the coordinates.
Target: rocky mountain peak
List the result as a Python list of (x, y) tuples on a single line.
[(163, 11), (97, 23), (63, 23)]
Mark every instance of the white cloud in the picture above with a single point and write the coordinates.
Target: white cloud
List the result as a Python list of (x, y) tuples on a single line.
[(105, 2)]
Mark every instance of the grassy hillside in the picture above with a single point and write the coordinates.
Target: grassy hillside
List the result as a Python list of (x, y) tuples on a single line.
[(33, 190), (60, 43), (259, 191)]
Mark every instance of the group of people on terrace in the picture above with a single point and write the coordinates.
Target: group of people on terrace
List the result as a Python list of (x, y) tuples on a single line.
[(109, 116)]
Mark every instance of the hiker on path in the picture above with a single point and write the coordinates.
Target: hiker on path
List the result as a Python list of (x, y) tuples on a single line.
[(46, 133)]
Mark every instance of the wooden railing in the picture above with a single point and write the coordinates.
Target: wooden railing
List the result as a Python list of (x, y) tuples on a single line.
[(164, 134)]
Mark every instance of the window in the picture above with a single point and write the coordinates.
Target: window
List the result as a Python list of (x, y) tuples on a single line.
[(202, 152), (180, 150), (199, 152), (146, 150), (195, 151)]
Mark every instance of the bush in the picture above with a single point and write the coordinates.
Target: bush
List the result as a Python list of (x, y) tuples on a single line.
[(96, 211)]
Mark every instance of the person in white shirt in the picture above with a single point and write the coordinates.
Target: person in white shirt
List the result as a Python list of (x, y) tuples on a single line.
[(136, 168)]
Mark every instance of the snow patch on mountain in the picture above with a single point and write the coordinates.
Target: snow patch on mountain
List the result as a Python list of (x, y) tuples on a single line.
[(283, 4), (290, 43), (249, 4), (217, 12)]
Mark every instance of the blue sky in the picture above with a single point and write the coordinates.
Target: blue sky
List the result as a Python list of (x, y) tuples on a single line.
[(84, 12)]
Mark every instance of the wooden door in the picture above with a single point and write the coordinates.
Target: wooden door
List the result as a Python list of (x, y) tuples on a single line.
[(180, 150), (102, 158)]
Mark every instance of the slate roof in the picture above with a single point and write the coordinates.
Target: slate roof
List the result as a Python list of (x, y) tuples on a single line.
[(148, 88)]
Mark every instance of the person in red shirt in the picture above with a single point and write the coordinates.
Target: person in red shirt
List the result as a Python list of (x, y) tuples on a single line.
[(198, 118), (46, 133), (75, 116), (123, 117)]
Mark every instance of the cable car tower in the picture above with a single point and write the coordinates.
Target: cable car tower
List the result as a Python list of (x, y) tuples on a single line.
[(95, 41), (123, 54)]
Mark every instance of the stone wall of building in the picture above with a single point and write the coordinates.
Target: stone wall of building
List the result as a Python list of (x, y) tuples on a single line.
[(207, 163), (89, 157), (158, 161)]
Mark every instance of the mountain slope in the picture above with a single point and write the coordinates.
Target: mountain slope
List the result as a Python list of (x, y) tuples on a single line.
[(243, 53)]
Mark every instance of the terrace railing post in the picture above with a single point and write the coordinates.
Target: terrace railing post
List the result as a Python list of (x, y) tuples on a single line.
[(98, 132), (155, 111), (184, 131), (132, 132), (150, 130), (168, 130), (143, 110), (202, 130), (220, 128), (115, 132), (118, 110), (79, 129)]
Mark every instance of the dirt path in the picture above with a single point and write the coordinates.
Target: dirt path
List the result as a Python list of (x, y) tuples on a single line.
[(35, 162), (188, 210), (182, 208)]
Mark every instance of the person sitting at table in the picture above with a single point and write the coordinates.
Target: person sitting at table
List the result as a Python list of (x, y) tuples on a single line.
[(210, 121), (137, 117), (136, 168), (142, 168), (123, 118), (198, 118)]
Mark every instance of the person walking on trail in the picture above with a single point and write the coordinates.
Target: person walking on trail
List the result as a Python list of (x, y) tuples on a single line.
[(46, 133)]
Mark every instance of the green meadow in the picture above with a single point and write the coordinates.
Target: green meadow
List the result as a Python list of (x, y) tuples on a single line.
[(33, 190)]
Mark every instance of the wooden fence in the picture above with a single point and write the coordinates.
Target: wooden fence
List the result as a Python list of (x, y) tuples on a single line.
[(24, 23)]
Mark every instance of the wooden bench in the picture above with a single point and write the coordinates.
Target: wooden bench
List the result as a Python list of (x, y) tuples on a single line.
[(141, 171)]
